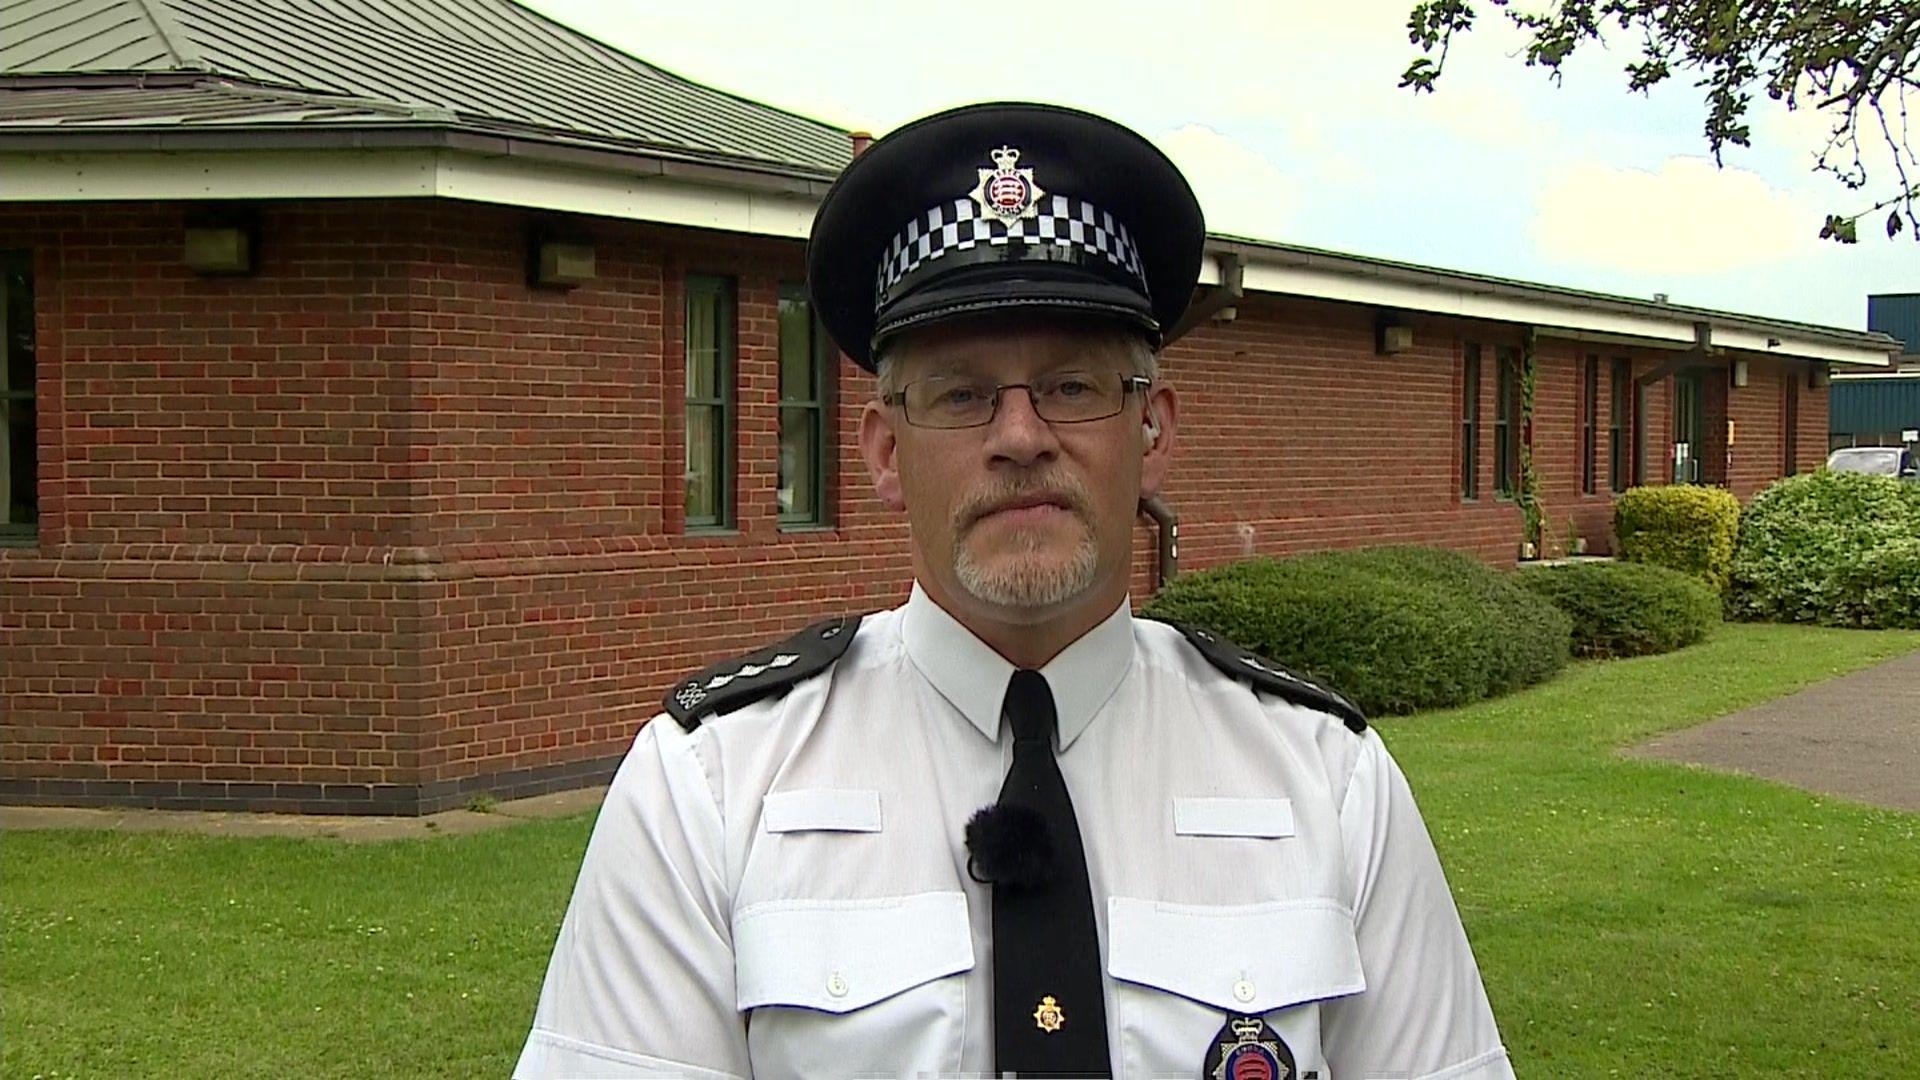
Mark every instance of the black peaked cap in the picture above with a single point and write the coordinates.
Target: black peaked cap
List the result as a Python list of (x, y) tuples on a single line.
[(1089, 217)]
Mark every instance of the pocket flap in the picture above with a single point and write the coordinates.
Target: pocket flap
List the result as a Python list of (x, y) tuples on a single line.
[(1246, 958), (839, 955), (824, 809), (1264, 818)]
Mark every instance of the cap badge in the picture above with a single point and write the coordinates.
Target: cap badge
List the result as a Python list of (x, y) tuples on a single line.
[(1006, 192)]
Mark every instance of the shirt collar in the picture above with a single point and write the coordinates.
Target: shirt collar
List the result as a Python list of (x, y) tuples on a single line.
[(973, 678)]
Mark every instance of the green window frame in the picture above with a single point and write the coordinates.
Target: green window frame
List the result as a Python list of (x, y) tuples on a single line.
[(1589, 425), (1470, 422), (1620, 425), (19, 424), (1790, 426), (711, 362), (800, 482), (1506, 423)]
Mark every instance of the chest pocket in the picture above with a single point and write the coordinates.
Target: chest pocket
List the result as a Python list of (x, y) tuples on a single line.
[(847, 987), (1182, 969)]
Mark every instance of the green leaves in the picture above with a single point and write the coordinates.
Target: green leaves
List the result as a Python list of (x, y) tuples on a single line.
[(1627, 609), (1852, 60), (1685, 527), (1840, 549), (1395, 629)]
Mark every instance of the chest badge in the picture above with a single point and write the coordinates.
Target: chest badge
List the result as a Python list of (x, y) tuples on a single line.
[(1247, 1049), (1048, 1016), (1007, 191)]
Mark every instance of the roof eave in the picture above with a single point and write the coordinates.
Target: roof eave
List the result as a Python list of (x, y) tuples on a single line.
[(402, 135), (1459, 281)]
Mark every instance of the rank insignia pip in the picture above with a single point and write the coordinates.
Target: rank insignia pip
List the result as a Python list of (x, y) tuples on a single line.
[(732, 684), (1008, 192), (1247, 1049), (1048, 1017), (1269, 677)]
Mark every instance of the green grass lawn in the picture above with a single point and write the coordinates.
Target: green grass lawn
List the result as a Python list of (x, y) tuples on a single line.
[(1631, 918)]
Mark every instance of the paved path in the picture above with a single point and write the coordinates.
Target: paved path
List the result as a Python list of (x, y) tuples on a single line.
[(338, 826), (1857, 736)]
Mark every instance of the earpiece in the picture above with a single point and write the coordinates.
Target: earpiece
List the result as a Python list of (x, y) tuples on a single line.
[(1153, 429)]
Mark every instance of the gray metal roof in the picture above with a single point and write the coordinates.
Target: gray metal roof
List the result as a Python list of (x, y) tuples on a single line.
[(489, 65), (201, 104)]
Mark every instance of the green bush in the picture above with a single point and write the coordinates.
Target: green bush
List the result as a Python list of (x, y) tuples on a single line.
[(1394, 629), (1841, 549), (1684, 527), (1627, 609)]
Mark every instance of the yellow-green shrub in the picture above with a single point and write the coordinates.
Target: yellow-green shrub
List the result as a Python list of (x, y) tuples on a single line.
[(1684, 527)]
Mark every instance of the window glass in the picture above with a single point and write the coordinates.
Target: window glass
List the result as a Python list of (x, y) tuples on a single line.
[(1470, 422), (709, 399), (19, 455), (804, 363)]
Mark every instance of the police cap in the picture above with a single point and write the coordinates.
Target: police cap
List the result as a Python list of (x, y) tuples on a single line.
[(999, 206)]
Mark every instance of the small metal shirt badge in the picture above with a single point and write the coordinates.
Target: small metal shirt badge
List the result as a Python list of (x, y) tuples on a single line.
[(1247, 1049), (1048, 1017), (1007, 191)]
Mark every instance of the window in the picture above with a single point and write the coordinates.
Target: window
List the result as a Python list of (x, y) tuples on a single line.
[(1619, 423), (1470, 422), (1589, 421), (1790, 427), (709, 340), (19, 482), (1506, 422), (804, 363), (1689, 427)]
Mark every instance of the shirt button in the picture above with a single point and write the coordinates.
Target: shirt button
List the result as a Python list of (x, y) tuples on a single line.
[(1243, 991), (837, 985)]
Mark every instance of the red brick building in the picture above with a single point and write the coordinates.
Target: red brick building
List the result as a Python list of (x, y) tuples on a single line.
[(376, 439)]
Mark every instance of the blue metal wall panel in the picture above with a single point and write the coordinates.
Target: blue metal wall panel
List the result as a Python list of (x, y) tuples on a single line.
[(1873, 406), (1896, 315)]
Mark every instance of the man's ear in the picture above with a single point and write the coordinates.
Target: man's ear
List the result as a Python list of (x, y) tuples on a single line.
[(1162, 417), (880, 448)]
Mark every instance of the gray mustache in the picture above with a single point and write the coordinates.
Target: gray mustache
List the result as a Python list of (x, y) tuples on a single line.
[(982, 503)]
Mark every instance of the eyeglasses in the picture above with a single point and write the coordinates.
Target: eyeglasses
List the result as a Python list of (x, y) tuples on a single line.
[(1059, 397)]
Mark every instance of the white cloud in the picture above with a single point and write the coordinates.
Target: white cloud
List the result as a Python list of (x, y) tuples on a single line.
[(1241, 191), (1687, 218)]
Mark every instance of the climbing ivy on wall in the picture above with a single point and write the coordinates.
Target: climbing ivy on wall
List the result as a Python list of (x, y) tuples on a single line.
[(1529, 494)]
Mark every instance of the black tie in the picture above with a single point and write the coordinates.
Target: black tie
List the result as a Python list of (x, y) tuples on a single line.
[(1049, 1018)]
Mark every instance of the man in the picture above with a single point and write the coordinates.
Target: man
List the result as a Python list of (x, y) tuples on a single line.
[(1007, 827)]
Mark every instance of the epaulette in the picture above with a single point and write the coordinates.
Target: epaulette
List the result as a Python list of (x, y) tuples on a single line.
[(1271, 677), (732, 684)]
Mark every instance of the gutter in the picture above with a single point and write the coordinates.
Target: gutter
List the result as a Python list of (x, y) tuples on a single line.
[(405, 135), (1168, 535), (1402, 273)]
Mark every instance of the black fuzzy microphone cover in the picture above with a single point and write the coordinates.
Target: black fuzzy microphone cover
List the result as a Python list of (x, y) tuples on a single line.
[(1009, 845)]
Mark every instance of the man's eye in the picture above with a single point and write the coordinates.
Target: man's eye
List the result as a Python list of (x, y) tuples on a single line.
[(959, 397), (1072, 386)]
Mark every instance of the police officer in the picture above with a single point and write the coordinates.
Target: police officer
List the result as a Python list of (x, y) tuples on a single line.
[(1008, 827)]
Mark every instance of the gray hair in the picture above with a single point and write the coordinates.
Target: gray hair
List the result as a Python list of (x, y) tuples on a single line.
[(1141, 360)]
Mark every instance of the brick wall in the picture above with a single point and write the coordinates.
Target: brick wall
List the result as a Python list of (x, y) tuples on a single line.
[(382, 526)]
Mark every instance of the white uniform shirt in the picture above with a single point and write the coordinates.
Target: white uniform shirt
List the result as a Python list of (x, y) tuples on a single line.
[(783, 892)]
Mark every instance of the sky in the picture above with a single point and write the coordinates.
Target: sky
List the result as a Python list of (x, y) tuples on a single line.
[(1288, 120)]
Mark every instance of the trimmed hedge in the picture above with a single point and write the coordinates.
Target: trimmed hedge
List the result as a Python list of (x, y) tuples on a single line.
[(1627, 609), (1395, 629), (1685, 527), (1837, 548)]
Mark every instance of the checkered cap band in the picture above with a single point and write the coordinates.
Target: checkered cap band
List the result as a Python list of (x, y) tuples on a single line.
[(962, 225)]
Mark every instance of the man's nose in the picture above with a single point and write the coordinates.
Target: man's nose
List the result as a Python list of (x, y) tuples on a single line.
[(1017, 432)]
